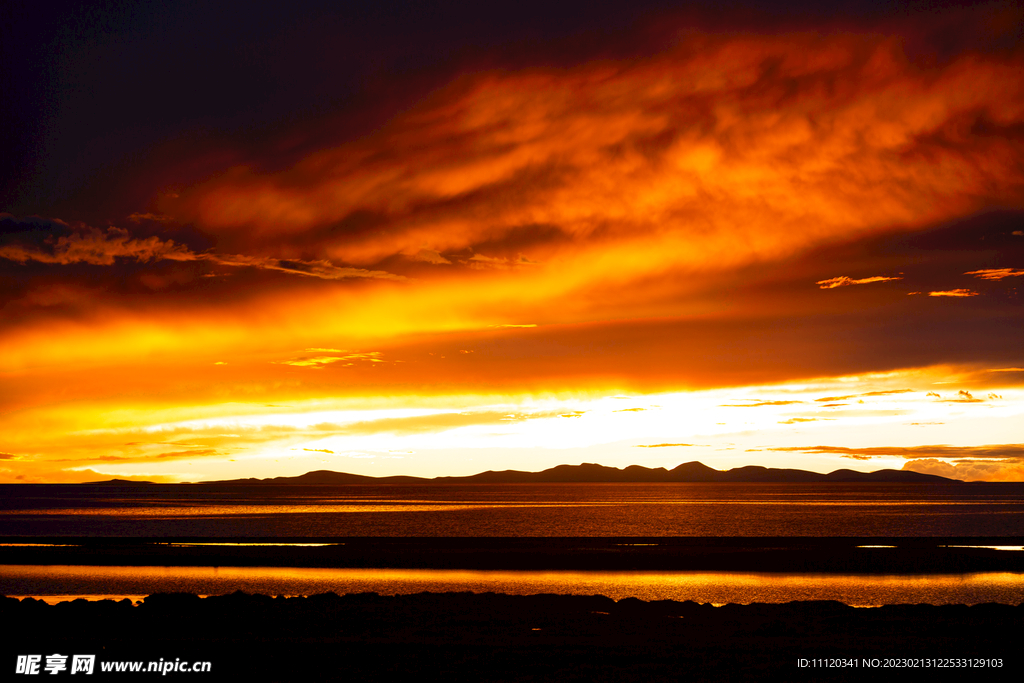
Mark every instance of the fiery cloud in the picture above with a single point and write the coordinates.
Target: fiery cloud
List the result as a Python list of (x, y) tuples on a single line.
[(347, 359), (724, 150), (996, 273), (954, 293), (844, 281)]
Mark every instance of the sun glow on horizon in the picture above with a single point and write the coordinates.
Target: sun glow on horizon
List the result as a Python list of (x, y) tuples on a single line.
[(864, 423)]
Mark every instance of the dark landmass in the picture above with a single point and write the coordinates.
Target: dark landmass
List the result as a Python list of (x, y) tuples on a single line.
[(845, 555), (690, 472), (492, 637)]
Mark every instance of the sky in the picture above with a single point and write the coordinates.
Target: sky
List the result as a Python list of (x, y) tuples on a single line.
[(246, 240)]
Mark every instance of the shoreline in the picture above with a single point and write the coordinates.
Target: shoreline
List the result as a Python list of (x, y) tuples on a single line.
[(492, 636), (483, 637)]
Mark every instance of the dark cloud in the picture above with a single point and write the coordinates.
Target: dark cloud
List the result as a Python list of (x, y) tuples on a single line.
[(92, 88), (56, 242)]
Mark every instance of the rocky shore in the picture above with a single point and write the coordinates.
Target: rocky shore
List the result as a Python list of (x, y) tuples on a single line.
[(493, 637)]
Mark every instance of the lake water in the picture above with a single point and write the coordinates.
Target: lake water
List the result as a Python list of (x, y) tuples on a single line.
[(639, 510), (518, 510), (56, 583)]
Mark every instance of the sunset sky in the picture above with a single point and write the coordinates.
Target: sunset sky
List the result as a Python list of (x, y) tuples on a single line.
[(439, 239)]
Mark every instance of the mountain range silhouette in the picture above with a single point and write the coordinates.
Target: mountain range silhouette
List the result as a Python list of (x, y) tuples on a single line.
[(690, 472)]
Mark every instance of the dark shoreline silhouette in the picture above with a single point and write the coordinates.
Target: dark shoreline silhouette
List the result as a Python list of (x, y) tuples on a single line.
[(492, 637)]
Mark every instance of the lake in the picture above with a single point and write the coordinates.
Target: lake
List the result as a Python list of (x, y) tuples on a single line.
[(584, 510), (709, 510)]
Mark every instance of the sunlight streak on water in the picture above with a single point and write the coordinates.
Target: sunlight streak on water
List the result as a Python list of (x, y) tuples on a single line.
[(704, 587)]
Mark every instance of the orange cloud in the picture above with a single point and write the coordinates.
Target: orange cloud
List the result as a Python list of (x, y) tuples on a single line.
[(996, 273), (761, 403), (727, 149), (969, 470), (867, 393), (844, 281), (996, 462), (1013, 451), (97, 247), (322, 269), (954, 293), (320, 361)]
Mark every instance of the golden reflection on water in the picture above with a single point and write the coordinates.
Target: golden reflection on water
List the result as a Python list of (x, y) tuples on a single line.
[(372, 506), (233, 543), (219, 510), (703, 587)]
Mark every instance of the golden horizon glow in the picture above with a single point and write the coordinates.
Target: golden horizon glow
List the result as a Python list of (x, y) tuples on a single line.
[(867, 423)]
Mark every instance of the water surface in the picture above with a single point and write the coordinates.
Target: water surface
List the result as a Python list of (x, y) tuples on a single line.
[(637, 510)]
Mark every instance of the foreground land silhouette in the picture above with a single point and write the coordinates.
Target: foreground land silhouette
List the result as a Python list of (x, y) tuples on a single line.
[(492, 637)]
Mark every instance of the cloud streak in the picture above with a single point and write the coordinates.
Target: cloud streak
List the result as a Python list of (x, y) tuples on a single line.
[(844, 281), (996, 273), (62, 244), (66, 245), (1001, 451)]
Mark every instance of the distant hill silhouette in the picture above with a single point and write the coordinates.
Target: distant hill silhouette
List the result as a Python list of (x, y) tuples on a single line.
[(690, 472)]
